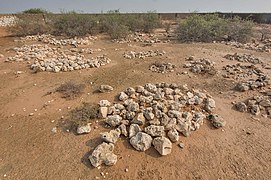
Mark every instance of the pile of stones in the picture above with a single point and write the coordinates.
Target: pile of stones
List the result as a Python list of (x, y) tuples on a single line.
[(243, 58), (49, 39), (145, 38), (143, 54), (253, 84), (260, 104), (154, 114), (6, 21), (200, 65), (263, 46), (239, 71), (68, 64), (162, 67)]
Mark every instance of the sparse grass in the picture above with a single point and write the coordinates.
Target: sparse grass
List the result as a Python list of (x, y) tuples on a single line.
[(84, 113), (70, 89), (211, 27)]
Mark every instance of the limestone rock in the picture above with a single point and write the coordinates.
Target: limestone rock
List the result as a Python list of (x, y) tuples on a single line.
[(154, 130), (105, 88), (141, 141), (173, 135), (103, 154), (83, 129), (113, 120), (240, 106), (103, 112), (162, 145), (110, 137), (217, 121), (139, 119), (133, 130), (123, 96)]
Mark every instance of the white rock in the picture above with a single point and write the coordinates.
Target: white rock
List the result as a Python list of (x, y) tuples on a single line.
[(141, 141), (162, 145)]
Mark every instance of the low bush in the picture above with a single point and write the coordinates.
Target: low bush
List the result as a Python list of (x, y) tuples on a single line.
[(70, 89), (84, 113), (30, 25), (207, 28), (72, 24)]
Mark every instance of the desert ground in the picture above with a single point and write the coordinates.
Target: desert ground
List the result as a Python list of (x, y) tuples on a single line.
[(37, 141)]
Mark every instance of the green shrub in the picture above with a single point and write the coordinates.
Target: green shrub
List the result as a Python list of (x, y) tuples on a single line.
[(151, 21), (207, 28), (73, 24), (35, 11), (30, 25)]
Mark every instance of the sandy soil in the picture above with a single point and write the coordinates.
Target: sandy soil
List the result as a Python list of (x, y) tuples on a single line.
[(29, 150)]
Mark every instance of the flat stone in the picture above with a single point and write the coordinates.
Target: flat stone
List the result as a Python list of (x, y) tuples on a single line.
[(162, 145)]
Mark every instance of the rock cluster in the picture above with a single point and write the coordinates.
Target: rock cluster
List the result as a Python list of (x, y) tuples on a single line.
[(52, 40), (162, 67), (239, 71), (143, 54), (55, 59), (61, 64), (243, 58), (200, 66), (156, 114), (263, 46), (259, 104), (6, 21), (252, 84)]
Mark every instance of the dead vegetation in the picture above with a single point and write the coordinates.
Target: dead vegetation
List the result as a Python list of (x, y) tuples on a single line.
[(84, 113), (70, 89)]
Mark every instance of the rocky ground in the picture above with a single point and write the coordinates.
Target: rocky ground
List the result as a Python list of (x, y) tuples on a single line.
[(186, 122)]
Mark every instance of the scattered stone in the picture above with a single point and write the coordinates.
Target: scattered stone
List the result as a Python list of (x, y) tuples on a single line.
[(123, 130), (83, 129), (217, 121), (103, 154), (143, 55), (105, 88), (200, 66), (54, 130), (181, 145), (103, 112), (141, 141), (123, 96), (243, 58), (162, 67), (162, 145)]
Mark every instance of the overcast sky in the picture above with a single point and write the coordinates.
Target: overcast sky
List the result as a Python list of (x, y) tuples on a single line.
[(97, 6)]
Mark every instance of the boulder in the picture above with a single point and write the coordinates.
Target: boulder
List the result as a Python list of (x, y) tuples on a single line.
[(133, 130), (141, 141), (217, 121), (110, 137), (240, 106), (162, 145), (103, 154), (173, 135), (113, 120), (123, 96), (83, 129)]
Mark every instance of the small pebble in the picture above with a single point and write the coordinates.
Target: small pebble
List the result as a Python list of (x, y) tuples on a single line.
[(35, 110), (181, 145), (126, 169), (31, 114), (54, 130)]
